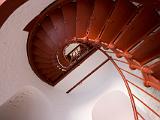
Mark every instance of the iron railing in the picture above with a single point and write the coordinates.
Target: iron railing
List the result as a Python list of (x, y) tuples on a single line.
[(133, 97)]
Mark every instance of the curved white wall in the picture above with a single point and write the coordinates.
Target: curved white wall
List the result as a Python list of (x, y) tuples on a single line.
[(113, 106), (27, 104)]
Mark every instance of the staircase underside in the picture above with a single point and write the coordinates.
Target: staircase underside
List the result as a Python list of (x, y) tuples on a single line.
[(130, 28)]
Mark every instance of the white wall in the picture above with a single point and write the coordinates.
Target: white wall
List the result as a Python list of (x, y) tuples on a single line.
[(113, 106), (28, 104)]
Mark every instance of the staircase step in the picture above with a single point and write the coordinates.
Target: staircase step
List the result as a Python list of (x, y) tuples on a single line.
[(42, 47), (61, 58), (42, 66), (43, 37), (41, 54), (147, 50), (58, 22), (156, 69), (140, 27), (40, 57), (101, 12), (84, 12), (47, 71), (121, 15), (56, 73), (69, 13), (50, 30), (42, 60)]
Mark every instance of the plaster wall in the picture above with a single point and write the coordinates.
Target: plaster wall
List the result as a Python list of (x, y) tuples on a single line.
[(109, 107), (28, 104)]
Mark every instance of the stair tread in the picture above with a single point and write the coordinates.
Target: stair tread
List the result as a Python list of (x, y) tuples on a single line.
[(84, 12), (101, 12), (147, 50), (44, 38), (122, 13), (58, 22), (49, 29), (141, 26), (69, 13), (41, 53), (42, 48), (156, 69)]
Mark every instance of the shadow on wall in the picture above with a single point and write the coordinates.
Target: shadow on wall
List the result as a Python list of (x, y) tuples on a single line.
[(113, 106), (28, 104)]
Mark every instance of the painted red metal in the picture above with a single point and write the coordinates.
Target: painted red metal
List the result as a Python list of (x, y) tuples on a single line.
[(140, 116), (153, 97), (132, 74), (45, 39), (122, 14), (57, 24), (57, 20), (84, 12), (147, 50), (120, 61), (156, 69), (48, 31), (157, 114), (126, 84), (138, 29), (130, 92), (101, 12), (69, 13)]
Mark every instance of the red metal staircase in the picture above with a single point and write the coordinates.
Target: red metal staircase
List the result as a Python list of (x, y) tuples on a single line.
[(126, 28), (129, 28)]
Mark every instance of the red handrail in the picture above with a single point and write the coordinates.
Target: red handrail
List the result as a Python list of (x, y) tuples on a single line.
[(146, 105), (132, 74), (126, 84), (144, 91), (140, 116), (153, 97), (120, 61)]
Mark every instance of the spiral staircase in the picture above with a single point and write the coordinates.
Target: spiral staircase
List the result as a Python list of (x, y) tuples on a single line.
[(128, 28), (123, 26)]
